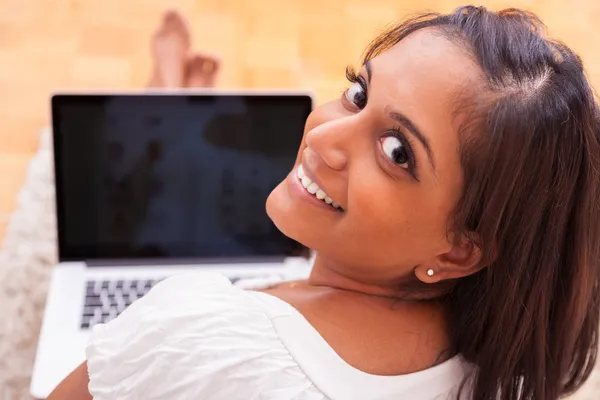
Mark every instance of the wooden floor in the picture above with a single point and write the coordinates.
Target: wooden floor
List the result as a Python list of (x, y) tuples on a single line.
[(55, 44)]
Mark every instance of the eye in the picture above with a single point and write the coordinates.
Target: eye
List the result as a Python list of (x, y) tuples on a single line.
[(357, 95), (395, 150)]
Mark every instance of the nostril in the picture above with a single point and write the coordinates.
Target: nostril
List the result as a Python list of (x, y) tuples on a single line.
[(331, 158), (335, 159)]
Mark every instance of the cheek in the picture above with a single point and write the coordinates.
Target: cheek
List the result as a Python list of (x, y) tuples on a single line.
[(395, 223)]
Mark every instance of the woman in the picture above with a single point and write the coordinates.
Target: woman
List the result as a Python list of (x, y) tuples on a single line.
[(451, 195)]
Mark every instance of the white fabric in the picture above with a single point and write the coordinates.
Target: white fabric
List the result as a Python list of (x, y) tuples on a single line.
[(199, 337)]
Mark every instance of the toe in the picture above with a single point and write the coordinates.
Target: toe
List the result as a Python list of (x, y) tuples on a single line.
[(171, 17), (174, 21), (202, 70)]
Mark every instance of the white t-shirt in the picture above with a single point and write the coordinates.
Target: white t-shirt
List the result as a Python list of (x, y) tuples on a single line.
[(199, 337)]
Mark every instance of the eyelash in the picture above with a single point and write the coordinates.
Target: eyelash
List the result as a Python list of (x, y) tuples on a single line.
[(396, 131), (353, 77)]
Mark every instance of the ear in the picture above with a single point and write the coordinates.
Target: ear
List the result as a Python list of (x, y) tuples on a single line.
[(463, 259)]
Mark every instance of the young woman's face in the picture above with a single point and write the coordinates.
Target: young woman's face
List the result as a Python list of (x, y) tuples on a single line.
[(386, 152)]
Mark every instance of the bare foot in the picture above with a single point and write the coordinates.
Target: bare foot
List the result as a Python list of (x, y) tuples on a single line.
[(202, 71), (170, 46)]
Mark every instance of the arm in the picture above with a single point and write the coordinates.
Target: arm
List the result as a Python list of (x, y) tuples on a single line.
[(136, 351), (74, 387)]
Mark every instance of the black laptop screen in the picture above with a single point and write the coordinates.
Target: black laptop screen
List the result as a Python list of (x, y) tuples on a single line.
[(172, 176)]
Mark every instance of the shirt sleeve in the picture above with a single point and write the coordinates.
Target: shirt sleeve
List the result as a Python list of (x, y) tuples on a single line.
[(191, 337)]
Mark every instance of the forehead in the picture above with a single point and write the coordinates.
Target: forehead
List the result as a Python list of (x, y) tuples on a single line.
[(427, 65)]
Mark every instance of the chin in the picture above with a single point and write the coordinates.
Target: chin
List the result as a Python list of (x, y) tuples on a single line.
[(285, 214), (280, 209)]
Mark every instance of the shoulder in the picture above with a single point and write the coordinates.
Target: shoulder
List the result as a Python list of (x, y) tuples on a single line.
[(188, 304), (187, 299), (183, 335)]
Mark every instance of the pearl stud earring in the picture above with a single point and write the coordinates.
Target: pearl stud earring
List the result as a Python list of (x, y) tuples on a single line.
[(430, 272)]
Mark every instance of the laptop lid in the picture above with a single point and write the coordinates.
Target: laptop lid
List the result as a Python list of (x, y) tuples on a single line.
[(173, 176)]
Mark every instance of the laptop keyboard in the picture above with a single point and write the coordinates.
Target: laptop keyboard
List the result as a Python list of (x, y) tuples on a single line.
[(106, 299)]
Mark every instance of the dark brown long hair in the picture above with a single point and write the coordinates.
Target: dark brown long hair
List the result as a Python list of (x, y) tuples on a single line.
[(531, 159)]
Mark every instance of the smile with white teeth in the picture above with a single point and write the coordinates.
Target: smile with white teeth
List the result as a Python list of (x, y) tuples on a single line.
[(314, 189)]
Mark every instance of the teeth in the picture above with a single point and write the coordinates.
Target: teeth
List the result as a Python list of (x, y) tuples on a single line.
[(312, 188), (306, 182)]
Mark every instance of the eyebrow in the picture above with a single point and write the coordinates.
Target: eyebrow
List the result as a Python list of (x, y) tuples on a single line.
[(406, 122)]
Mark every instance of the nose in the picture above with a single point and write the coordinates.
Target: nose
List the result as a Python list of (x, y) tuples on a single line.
[(331, 140)]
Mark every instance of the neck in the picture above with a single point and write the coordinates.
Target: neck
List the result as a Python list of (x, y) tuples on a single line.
[(420, 311), (328, 273)]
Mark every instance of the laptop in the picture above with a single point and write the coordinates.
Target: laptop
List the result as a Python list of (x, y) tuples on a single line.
[(152, 184)]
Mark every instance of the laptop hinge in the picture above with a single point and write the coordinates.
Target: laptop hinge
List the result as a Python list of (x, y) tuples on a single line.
[(183, 261)]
